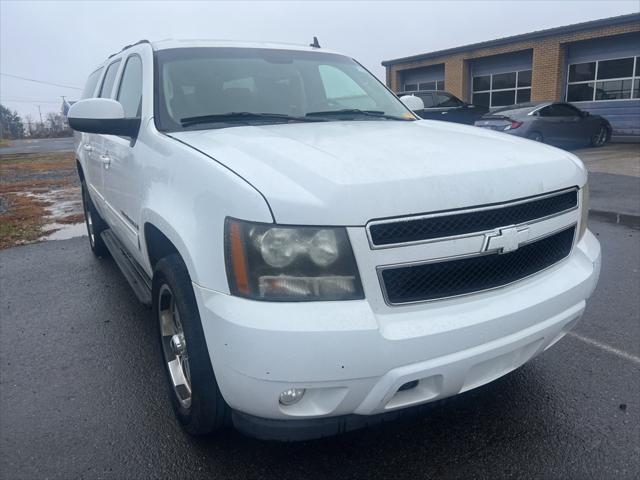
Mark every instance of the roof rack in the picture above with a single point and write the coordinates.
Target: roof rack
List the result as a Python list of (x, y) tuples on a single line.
[(129, 46)]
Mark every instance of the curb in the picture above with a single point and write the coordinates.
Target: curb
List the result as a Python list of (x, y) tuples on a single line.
[(626, 219)]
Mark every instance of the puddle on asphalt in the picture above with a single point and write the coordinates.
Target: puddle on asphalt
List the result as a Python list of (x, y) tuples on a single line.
[(63, 231), (64, 209)]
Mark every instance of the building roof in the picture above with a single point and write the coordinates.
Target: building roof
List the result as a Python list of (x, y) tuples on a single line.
[(576, 27)]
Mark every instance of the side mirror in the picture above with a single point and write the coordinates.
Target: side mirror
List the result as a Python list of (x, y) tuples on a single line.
[(412, 102), (102, 115)]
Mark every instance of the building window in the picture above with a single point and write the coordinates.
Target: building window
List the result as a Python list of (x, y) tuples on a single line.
[(419, 87), (617, 79), (502, 89)]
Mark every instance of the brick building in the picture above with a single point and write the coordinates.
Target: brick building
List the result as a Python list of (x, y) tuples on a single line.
[(595, 65)]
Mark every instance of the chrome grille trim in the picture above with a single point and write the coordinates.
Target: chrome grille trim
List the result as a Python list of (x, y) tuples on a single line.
[(461, 211)]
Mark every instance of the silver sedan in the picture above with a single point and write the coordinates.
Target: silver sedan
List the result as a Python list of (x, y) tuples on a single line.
[(550, 122)]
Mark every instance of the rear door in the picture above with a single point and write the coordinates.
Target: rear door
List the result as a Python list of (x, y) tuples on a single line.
[(120, 170), (570, 123), (551, 123)]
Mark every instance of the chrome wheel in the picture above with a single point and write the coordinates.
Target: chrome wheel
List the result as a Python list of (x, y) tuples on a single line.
[(88, 218), (600, 138), (174, 346)]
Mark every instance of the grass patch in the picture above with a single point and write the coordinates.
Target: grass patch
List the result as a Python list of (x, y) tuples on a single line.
[(30, 185)]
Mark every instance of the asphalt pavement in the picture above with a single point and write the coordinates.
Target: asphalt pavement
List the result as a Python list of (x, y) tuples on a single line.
[(39, 145), (614, 181), (82, 393)]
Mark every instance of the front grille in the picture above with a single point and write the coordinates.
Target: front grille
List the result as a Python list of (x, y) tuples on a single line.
[(431, 281), (481, 219)]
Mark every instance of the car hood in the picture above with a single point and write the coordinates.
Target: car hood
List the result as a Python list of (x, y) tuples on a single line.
[(349, 172)]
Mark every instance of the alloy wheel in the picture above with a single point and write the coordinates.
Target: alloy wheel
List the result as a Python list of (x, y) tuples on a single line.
[(601, 137), (174, 346)]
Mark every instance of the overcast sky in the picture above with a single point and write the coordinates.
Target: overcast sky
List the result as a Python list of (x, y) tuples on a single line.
[(62, 41)]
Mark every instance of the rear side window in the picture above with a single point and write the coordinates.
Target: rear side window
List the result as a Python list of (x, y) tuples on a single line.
[(559, 110), (130, 90), (446, 100), (109, 79), (90, 86)]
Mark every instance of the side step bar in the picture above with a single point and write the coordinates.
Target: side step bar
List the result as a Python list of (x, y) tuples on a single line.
[(137, 278)]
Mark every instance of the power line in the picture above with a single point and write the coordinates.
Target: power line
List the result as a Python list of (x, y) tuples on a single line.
[(40, 81), (26, 100)]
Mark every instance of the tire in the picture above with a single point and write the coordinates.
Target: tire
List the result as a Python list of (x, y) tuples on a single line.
[(193, 389), (536, 137), (95, 225), (601, 137)]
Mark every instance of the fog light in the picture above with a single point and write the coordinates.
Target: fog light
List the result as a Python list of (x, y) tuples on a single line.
[(291, 396)]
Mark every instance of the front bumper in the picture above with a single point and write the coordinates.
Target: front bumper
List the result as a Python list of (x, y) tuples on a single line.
[(353, 359)]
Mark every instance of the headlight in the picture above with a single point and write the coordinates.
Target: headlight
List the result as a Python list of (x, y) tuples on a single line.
[(584, 210), (269, 262)]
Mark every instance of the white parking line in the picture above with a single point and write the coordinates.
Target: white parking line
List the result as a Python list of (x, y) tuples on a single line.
[(607, 348)]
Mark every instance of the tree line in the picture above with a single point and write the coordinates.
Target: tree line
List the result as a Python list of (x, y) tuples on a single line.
[(13, 126)]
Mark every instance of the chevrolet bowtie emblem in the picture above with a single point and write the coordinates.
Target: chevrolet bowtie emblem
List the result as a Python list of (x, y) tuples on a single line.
[(506, 239)]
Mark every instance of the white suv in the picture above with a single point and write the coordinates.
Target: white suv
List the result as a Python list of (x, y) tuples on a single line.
[(318, 258)]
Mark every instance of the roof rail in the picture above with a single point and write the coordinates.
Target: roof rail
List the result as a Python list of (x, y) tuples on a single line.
[(129, 46)]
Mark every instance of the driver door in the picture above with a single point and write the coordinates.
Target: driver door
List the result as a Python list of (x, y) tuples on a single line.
[(121, 181), (91, 144), (449, 107)]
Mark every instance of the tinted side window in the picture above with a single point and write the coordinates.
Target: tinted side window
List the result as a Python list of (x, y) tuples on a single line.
[(109, 78), (90, 86), (130, 90), (546, 111), (561, 110)]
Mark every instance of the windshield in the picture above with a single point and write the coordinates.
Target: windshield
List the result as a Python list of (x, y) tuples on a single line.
[(288, 84)]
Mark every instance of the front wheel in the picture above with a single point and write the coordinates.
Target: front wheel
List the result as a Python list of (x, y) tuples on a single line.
[(536, 137), (601, 137), (195, 396)]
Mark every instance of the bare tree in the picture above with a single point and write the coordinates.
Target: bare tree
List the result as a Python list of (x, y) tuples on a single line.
[(31, 127), (55, 122)]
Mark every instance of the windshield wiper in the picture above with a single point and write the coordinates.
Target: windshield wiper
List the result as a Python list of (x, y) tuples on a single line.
[(243, 116), (357, 111)]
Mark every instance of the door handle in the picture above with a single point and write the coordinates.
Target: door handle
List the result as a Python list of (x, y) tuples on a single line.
[(106, 160), (87, 147)]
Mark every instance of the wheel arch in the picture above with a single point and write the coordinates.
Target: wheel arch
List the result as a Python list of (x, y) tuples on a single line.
[(160, 240), (80, 170)]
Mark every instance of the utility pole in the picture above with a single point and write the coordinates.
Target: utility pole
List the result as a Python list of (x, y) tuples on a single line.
[(40, 112)]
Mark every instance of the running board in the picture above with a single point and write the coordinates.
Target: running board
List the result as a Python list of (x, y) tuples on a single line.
[(137, 278)]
